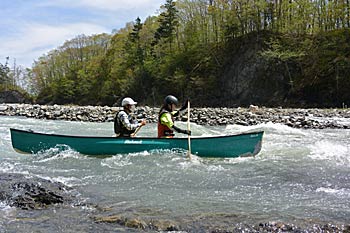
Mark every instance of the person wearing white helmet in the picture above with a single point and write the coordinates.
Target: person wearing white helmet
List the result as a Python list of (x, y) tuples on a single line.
[(125, 123)]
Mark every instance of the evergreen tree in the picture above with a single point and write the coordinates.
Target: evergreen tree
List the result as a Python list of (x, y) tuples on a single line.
[(133, 44), (168, 23), (4, 72)]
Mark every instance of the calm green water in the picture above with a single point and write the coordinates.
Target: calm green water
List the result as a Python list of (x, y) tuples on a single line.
[(300, 177)]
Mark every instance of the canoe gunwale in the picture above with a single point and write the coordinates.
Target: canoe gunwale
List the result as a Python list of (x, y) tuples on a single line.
[(105, 137)]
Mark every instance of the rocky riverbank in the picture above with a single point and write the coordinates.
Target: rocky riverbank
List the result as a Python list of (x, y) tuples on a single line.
[(296, 118)]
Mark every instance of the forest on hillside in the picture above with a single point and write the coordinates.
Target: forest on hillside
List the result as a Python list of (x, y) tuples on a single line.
[(191, 49)]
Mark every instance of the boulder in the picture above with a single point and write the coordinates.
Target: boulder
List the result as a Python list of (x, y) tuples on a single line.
[(27, 192)]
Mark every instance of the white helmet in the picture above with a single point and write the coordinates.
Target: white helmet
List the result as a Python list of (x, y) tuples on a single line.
[(128, 101)]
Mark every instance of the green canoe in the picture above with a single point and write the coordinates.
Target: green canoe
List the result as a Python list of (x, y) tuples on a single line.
[(247, 144)]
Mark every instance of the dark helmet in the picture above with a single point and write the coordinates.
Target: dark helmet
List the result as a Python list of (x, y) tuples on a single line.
[(170, 99)]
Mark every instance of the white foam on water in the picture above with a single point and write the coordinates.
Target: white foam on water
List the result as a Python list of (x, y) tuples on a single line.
[(215, 168), (6, 167), (238, 160), (188, 162), (57, 153), (332, 151), (19, 168), (269, 126), (175, 159), (338, 192), (6, 211), (116, 161), (4, 206), (338, 120), (68, 181), (137, 154), (6, 137)]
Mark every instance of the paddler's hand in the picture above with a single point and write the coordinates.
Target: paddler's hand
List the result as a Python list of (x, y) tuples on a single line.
[(143, 122), (184, 105), (185, 131)]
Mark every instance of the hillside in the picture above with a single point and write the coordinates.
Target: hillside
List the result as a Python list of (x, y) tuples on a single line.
[(280, 70)]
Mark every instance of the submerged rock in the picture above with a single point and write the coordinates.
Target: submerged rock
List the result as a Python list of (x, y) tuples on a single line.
[(137, 223), (28, 192), (227, 224)]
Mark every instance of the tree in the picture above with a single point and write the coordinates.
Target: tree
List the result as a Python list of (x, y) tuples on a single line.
[(72, 70), (279, 53), (4, 72), (168, 23)]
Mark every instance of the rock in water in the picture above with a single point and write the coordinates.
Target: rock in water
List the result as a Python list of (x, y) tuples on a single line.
[(26, 192)]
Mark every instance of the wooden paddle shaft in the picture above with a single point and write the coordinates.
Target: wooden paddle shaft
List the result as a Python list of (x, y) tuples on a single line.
[(188, 128), (136, 131)]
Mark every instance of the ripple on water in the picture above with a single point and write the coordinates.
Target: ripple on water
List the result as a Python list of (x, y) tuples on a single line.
[(6, 167), (68, 181), (116, 161), (59, 152), (337, 192), (6, 213)]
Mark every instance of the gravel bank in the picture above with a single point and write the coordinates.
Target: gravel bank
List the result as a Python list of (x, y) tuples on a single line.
[(296, 118)]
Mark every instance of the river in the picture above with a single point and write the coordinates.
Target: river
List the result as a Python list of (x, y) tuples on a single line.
[(300, 177)]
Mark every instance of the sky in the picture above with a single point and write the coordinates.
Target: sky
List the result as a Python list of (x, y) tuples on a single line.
[(31, 28)]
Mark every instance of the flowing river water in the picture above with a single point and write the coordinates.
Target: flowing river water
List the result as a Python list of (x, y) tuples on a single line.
[(301, 177)]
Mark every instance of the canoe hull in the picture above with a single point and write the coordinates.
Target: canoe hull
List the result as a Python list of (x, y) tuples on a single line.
[(230, 146)]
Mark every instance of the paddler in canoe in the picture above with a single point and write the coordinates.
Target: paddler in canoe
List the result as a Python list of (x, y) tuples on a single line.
[(125, 124), (166, 126)]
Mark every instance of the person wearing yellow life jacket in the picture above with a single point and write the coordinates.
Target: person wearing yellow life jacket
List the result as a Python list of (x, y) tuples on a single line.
[(166, 116), (125, 123)]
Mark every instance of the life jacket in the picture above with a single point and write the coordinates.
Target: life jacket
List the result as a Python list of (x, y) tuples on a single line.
[(120, 129), (163, 130)]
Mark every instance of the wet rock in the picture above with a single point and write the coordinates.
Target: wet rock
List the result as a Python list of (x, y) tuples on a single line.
[(110, 219), (227, 223), (276, 227), (163, 225), (281, 227), (3, 108), (122, 220), (136, 223), (242, 123), (31, 192)]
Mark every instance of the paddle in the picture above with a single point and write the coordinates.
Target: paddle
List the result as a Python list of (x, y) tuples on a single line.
[(188, 128), (136, 131)]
